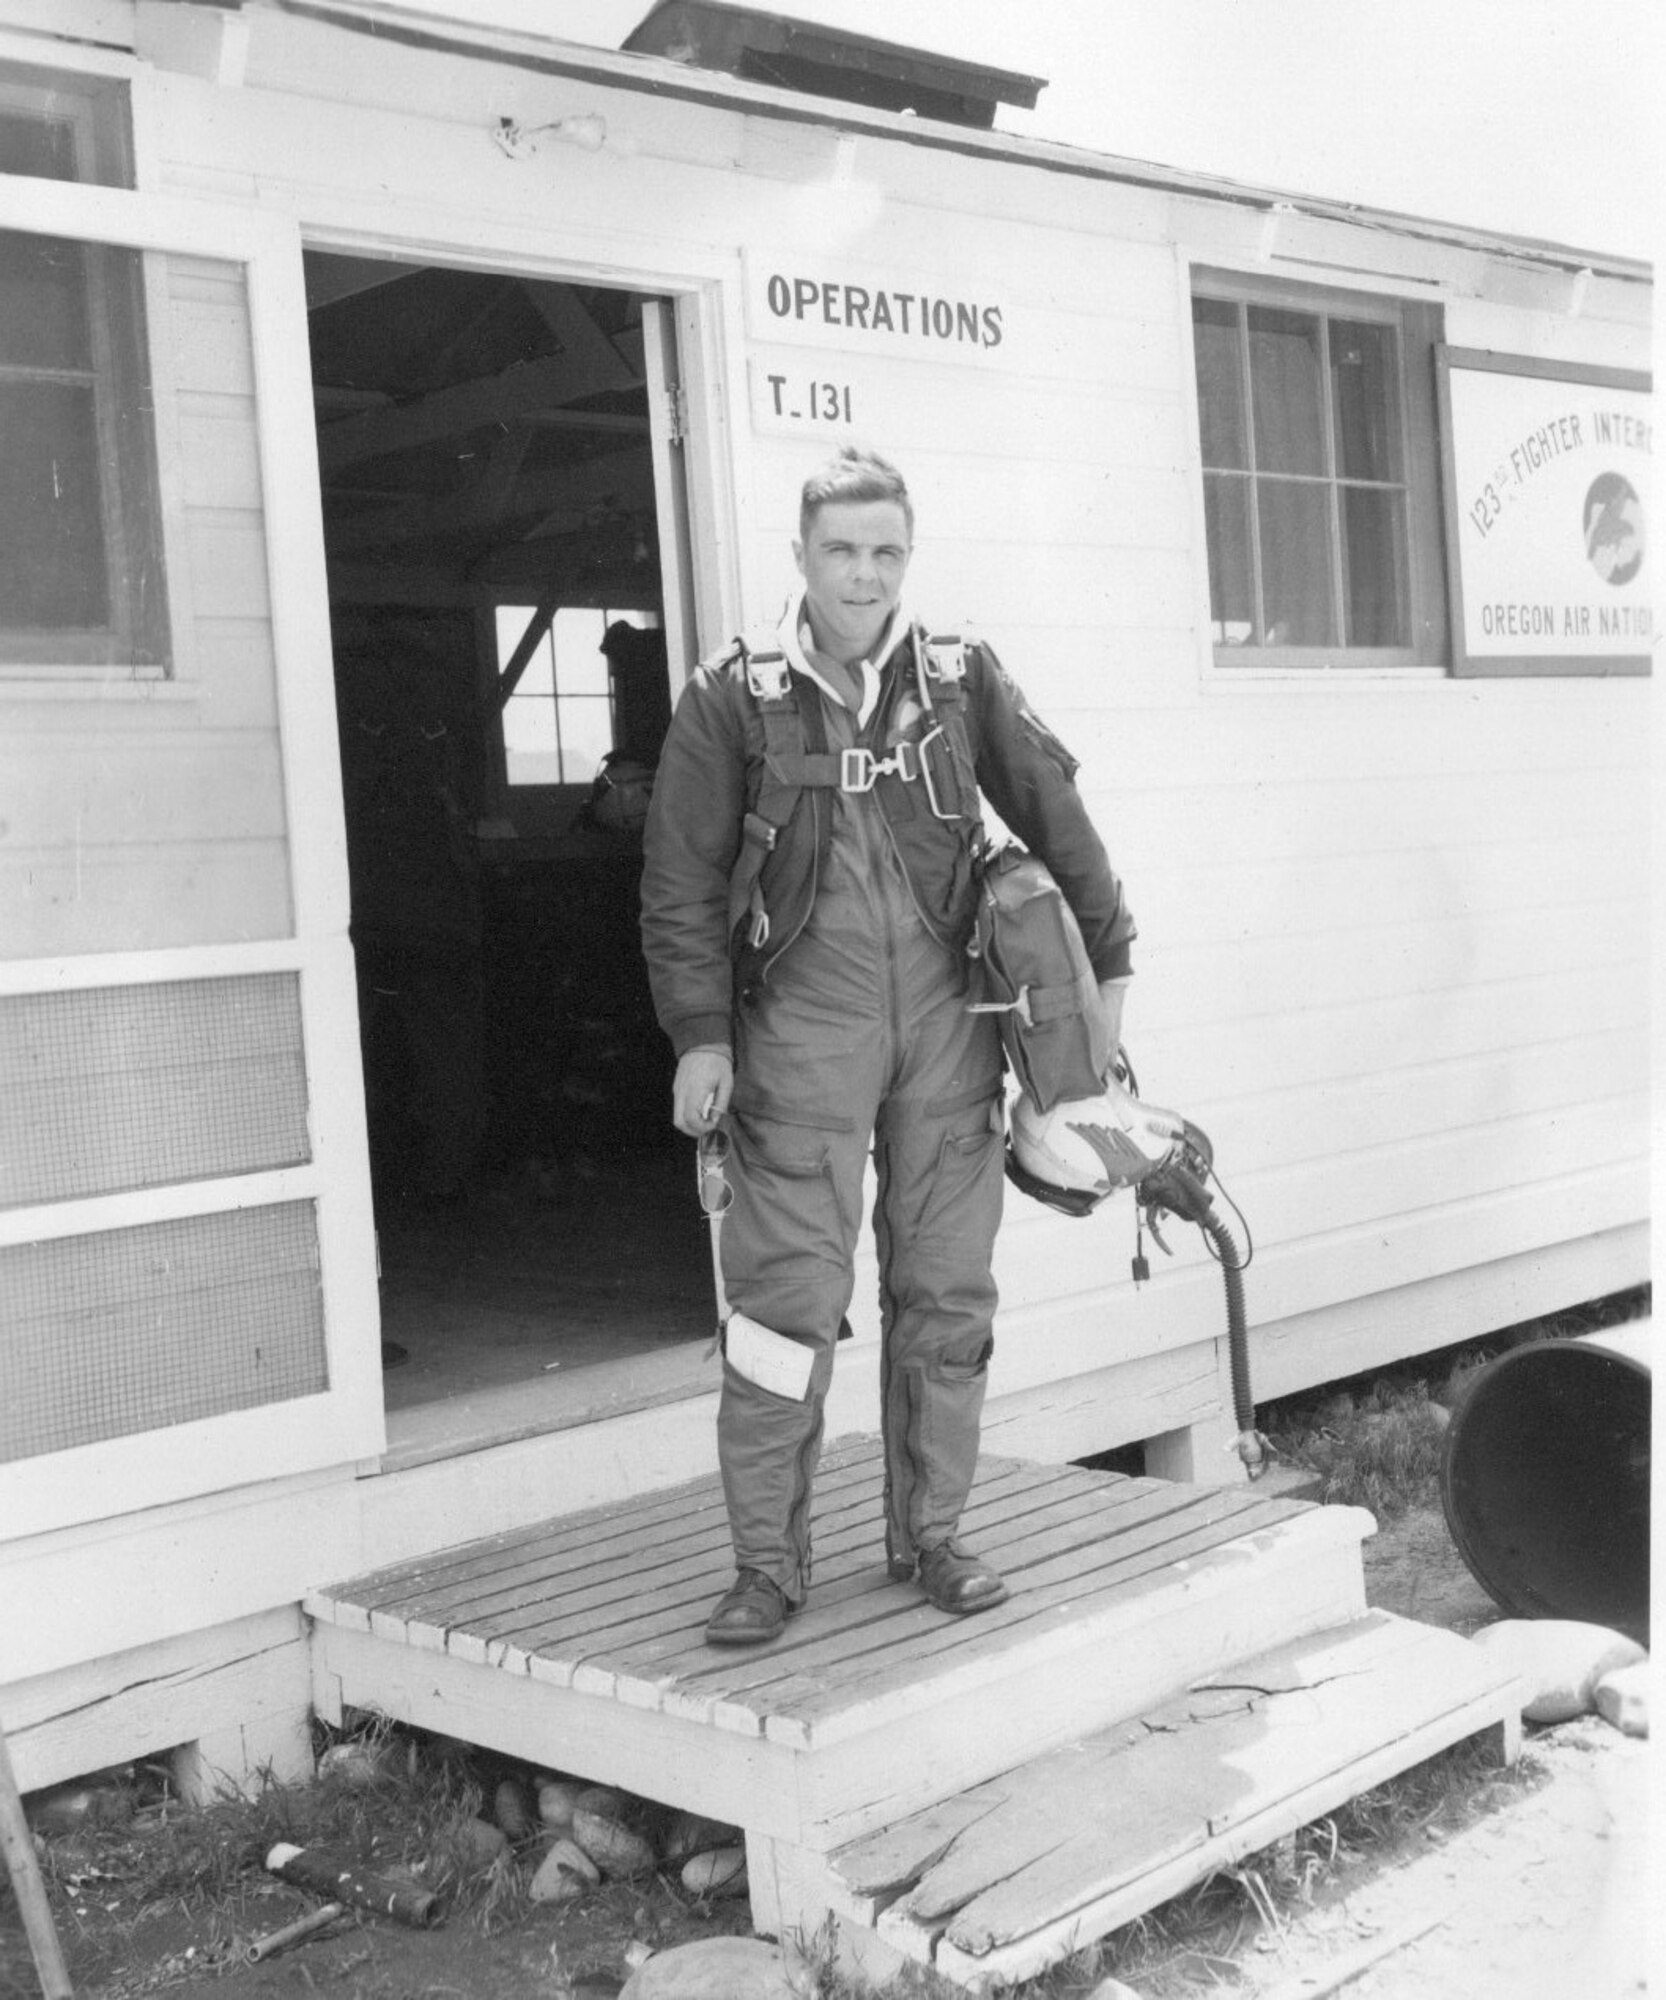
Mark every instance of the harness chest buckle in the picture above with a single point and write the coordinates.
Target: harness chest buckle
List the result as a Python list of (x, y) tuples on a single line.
[(859, 768)]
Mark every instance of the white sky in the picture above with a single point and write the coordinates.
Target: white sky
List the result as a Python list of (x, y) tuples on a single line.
[(1533, 116)]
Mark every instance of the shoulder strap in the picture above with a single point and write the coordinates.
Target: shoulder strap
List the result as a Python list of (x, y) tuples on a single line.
[(795, 735), (940, 671), (796, 758), (768, 674), (941, 659)]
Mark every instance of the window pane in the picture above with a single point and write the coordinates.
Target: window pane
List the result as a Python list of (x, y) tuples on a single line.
[(586, 736), (529, 741), (1231, 591), (538, 675), (43, 302), (539, 671), (1220, 382), (1374, 566), (110, 856), (32, 145), (1284, 381), (53, 572), (64, 126), (1363, 377), (79, 508), (1296, 600), (579, 664)]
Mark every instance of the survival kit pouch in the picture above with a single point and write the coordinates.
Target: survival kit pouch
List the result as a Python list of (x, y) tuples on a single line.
[(1030, 968)]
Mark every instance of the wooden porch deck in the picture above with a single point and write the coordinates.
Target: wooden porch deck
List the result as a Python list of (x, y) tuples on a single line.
[(578, 1645)]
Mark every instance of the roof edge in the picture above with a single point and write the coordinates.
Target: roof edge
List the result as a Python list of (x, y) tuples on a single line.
[(658, 77)]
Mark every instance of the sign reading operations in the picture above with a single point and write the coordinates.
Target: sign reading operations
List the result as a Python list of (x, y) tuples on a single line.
[(838, 319), (825, 303)]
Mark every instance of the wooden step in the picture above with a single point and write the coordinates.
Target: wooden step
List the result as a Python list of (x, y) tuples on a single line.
[(579, 1644), (1012, 1875)]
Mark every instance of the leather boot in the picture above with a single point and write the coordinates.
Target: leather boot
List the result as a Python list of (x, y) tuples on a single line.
[(752, 1610), (958, 1581)]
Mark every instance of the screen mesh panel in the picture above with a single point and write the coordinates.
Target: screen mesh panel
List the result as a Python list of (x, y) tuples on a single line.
[(143, 1086), (135, 1329)]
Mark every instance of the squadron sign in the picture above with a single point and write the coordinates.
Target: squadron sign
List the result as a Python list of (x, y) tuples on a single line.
[(1548, 484)]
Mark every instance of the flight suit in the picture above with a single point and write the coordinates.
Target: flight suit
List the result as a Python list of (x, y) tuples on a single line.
[(842, 989)]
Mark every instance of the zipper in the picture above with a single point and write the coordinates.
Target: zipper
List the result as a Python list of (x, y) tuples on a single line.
[(800, 1520), (893, 984), (930, 928)]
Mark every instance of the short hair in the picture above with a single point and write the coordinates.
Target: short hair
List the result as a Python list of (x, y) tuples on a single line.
[(852, 475)]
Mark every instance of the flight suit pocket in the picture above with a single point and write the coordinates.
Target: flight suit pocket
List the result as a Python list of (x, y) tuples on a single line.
[(755, 1109), (969, 1170)]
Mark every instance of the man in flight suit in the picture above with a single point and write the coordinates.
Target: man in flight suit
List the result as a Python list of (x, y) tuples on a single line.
[(808, 895)]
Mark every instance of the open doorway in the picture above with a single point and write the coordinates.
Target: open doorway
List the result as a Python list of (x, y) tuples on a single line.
[(498, 600)]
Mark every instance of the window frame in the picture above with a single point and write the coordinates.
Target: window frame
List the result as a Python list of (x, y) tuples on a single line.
[(101, 117), (537, 810), (139, 487), (1418, 327)]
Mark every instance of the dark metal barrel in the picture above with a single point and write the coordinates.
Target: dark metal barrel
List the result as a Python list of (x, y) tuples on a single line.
[(1545, 1479)]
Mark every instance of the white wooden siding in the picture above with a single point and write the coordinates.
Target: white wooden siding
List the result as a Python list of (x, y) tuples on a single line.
[(1394, 935), (1393, 927)]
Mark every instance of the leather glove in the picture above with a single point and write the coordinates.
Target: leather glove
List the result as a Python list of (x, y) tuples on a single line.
[(700, 1095), (1112, 995)]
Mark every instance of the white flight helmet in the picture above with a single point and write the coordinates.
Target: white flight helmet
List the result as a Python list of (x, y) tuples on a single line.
[(1088, 1148)]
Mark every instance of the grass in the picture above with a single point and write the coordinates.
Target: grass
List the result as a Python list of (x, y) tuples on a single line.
[(1381, 1452), (1375, 1441), (168, 1869), (204, 1869)]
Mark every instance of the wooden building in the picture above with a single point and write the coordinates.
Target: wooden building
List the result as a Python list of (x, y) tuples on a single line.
[(363, 371)]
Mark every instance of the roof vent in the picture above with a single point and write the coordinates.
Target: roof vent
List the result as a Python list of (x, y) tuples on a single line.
[(824, 62)]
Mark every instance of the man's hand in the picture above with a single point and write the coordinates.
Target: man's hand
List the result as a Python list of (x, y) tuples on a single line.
[(1111, 995), (700, 1094)]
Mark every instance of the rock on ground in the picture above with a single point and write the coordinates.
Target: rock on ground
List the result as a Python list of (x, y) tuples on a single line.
[(718, 1969), (1622, 1699), (1558, 1660)]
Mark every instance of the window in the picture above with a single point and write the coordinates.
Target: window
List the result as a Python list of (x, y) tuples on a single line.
[(1316, 415), (562, 715), (81, 577)]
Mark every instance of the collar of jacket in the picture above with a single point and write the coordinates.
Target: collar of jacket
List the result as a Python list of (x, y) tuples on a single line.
[(790, 633)]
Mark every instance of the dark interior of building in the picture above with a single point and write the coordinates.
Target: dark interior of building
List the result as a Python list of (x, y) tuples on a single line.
[(490, 523)]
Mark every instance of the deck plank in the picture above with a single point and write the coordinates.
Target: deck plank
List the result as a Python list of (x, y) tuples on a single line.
[(628, 1543), (858, 1672), (1087, 1823), (1055, 1591), (613, 1602), (997, 1511), (658, 1628), (432, 1570), (854, 1606)]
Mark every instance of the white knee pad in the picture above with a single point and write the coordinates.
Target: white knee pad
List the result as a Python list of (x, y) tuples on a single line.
[(770, 1360)]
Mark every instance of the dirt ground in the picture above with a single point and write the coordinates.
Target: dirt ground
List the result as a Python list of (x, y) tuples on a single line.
[(1548, 1894), (1537, 1884)]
